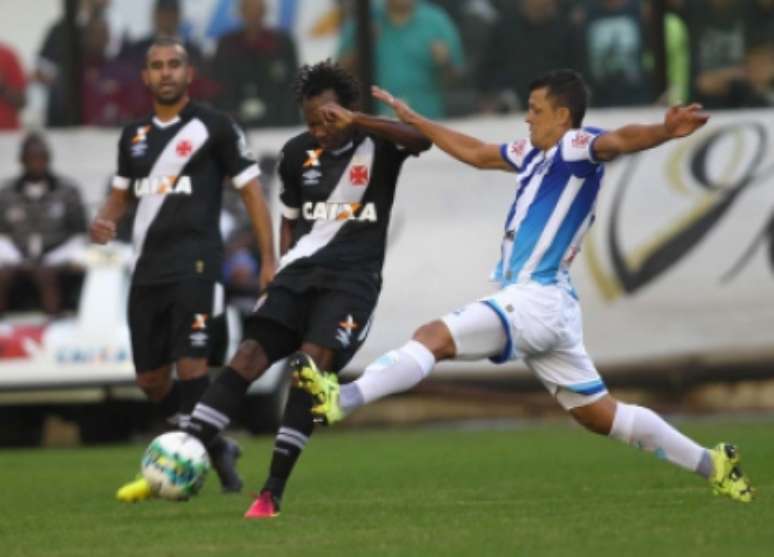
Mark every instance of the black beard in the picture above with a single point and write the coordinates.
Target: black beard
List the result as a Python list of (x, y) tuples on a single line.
[(168, 101)]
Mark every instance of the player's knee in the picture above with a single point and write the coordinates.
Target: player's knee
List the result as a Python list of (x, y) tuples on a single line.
[(155, 384), (596, 417), (250, 360), (437, 338)]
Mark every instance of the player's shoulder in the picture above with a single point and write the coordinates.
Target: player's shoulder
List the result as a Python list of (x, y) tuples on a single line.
[(576, 143), (137, 126), (211, 117), (299, 143)]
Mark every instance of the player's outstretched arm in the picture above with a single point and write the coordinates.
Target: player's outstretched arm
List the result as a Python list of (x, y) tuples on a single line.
[(339, 117), (103, 227), (679, 121), (255, 203), (462, 147)]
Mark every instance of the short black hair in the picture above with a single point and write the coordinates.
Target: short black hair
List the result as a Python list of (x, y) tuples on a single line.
[(323, 76), (33, 139), (166, 40), (566, 88)]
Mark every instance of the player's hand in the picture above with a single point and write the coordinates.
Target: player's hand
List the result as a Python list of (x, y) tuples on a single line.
[(684, 120), (336, 116), (402, 110), (268, 270), (102, 231)]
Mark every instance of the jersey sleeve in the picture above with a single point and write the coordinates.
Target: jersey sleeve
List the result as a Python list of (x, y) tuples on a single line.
[(234, 154), (515, 152), (577, 150), (123, 177), (290, 194)]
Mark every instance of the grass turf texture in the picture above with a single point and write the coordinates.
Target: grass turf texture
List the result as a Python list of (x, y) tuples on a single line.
[(539, 491)]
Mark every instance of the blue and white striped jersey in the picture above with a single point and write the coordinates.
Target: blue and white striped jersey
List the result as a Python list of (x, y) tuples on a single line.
[(552, 210)]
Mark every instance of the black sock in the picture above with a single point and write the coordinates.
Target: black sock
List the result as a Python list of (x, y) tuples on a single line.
[(297, 426), (219, 405), (192, 391), (170, 404)]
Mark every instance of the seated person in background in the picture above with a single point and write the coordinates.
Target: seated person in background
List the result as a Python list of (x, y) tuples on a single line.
[(42, 227), (254, 67)]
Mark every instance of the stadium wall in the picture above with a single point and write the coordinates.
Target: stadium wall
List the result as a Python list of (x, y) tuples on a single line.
[(679, 263)]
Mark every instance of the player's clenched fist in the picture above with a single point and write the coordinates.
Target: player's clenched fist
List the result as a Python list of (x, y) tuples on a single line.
[(102, 231)]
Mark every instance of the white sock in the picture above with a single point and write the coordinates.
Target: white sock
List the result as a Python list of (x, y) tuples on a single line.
[(396, 371), (646, 430)]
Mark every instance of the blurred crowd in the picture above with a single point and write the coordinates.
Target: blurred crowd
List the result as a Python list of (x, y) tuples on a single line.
[(446, 57)]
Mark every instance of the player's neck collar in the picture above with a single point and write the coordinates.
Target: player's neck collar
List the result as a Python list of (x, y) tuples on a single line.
[(159, 124)]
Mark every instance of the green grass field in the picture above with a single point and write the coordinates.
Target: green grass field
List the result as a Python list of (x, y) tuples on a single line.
[(539, 491)]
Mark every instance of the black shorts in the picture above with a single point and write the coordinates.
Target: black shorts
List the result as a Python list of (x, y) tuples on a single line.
[(174, 320), (334, 318)]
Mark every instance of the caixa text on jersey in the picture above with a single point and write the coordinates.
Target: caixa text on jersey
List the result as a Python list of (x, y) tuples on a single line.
[(153, 185), (333, 210)]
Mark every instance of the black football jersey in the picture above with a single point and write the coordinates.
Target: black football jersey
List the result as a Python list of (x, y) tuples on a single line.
[(176, 170), (341, 202)]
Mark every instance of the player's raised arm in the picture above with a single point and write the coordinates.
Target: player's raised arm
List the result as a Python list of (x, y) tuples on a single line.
[(679, 121), (397, 132), (255, 203), (462, 147)]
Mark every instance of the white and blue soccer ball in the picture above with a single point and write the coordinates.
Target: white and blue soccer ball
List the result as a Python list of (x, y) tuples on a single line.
[(175, 464)]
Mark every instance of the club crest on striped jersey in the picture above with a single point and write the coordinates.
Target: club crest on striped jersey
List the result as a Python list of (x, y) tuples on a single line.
[(184, 148), (358, 175), (581, 139)]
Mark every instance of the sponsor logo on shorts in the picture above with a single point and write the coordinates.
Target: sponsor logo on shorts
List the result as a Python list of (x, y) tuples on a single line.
[(199, 339), (344, 332), (199, 322), (335, 211)]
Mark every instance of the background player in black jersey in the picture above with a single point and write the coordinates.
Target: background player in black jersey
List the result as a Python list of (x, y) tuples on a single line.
[(173, 164), (338, 184)]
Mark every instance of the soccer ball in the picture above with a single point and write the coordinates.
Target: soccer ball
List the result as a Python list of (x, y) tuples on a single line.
[(175, 465)]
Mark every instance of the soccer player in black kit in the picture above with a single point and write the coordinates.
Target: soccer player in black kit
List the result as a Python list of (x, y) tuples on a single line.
[(338, 185), (173, 163)]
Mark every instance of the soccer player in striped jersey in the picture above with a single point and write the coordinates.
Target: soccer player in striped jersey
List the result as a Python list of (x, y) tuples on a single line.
[(535, 316)]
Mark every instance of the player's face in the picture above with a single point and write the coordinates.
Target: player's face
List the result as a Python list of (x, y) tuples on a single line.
[(327, 137), (547, 122), (167, 73)]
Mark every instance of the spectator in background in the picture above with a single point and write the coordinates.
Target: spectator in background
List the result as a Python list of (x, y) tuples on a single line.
[(476, 21), (717, 37), (12, 88), (42, 227), (530, 38), (254, 67), (613, 47), (167, 22), (418, 49), (51, 55), (110, 92)]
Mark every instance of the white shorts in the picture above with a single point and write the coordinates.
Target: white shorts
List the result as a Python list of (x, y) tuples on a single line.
[(540, 324)]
